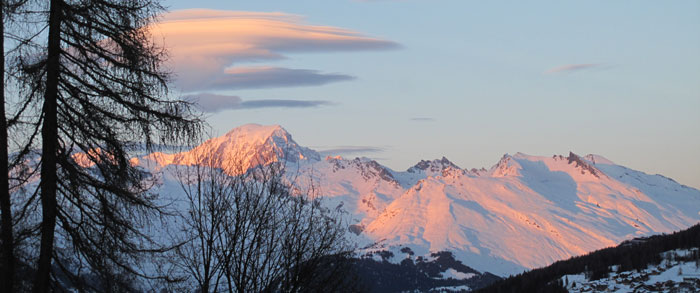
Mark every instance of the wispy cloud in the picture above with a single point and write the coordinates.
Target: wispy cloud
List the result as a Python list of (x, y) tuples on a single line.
[(349, 150), (266, 77), (213, 103), (205, 44), (574, 67), (283, 104), (424, 119)]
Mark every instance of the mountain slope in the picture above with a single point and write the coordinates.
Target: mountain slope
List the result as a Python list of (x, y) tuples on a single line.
[(524, 212), (528, 212), (613, 268), (240, 149)]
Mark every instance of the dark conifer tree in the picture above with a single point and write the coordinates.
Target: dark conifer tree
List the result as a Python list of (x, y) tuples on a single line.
[(8, 263), (102, 93), (7, 243)]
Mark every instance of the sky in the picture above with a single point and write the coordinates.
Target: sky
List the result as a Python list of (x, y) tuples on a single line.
[(401, 81)]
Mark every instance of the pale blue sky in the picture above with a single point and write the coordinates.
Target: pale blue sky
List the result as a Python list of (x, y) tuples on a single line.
[(492, 77)]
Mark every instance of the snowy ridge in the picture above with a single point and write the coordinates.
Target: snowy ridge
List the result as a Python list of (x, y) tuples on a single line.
[(362, 186), (434, 167), (240, 149), (551, 210), (524, 212)]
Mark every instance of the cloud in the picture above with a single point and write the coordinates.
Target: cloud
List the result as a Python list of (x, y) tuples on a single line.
[(283, 104), (350, 150), (205, 44), (213, 103), (574, 67), (266, 77), (425, 119)]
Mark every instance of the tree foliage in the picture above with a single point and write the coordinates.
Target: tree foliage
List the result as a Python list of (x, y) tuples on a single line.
[(254, 233), (90, 81)]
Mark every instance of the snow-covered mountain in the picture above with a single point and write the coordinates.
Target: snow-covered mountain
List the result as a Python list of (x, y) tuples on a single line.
[(530, 211), (524, 212), (240, 149)]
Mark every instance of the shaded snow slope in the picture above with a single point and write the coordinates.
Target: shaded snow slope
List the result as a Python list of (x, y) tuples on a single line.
[(524, 212), (361, 186)]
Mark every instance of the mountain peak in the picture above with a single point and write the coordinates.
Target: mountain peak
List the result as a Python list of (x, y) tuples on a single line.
[(434, 166), (242, 148), (256, 132), (507, 166), (577, 161)]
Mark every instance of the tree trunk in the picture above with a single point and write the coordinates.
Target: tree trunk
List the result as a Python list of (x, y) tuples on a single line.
[(49, 138), (8, 259)]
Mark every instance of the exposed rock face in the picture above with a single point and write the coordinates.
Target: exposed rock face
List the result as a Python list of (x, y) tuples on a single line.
[(580, 163), (432, 167)]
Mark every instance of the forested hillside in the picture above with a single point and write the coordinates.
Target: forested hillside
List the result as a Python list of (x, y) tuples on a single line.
[(637, 254)]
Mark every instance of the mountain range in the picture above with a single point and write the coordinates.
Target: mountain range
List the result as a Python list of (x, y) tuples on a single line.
[(522, 213)]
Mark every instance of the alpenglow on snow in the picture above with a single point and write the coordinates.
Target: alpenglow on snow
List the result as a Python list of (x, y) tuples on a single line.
[(522, 213)]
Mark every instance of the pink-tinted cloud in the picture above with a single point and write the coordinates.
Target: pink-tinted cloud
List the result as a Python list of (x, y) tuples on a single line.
[(574, 67), (205, 43), (212, 103)]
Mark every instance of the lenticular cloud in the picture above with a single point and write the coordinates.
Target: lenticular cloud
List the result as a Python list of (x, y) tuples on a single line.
[(205, 46)]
